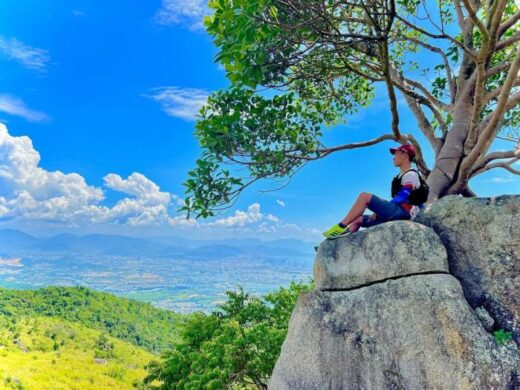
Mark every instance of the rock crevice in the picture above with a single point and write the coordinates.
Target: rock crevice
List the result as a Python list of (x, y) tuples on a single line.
[(382, 252), (387, 279)]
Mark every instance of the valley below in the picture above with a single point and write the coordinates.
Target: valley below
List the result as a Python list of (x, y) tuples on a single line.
[(194, 277)]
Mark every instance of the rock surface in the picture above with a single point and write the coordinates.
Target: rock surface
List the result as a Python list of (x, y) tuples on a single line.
[(389, 315), (382, 252), (482, 237), (415, 332)]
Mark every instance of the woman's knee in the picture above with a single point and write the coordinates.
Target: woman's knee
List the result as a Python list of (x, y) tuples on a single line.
[(366, 196)]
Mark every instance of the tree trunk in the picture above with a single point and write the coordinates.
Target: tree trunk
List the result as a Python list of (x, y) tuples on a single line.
[(447, 164)]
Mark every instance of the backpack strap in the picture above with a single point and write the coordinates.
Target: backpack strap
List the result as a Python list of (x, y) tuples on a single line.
[(421, 180), (411, 169)]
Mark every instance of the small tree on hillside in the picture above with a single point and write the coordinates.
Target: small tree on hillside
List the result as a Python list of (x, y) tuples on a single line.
[(324, 59)]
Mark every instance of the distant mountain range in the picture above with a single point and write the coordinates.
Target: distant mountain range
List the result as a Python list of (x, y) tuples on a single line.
[(17, 243)]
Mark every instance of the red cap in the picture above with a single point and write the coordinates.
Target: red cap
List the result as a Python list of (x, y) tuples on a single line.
[(408, 149)]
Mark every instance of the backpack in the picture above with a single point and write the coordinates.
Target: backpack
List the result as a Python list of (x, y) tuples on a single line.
[(418, 196)]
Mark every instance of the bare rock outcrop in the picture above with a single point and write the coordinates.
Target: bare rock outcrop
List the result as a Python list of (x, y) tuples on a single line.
[(482, 238), (384, 251), (387, 314)]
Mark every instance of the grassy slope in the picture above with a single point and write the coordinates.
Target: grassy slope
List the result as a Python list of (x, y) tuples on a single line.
[(49, 338), (51, 353), (137, 322)]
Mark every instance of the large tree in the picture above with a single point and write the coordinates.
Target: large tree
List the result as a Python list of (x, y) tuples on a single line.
[(297, 66)]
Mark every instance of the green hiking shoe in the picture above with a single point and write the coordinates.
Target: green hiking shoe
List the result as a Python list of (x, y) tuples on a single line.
[(335, 231)]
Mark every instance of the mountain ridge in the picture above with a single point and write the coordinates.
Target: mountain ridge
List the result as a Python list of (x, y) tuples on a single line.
[(15, 242)]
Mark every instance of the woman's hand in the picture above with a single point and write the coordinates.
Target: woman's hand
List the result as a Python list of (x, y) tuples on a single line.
[(373, 217)]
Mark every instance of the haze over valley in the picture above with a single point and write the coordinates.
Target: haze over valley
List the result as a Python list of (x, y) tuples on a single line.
[(170, 272)]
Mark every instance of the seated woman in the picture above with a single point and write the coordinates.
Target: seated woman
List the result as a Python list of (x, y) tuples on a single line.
[(397, 208)]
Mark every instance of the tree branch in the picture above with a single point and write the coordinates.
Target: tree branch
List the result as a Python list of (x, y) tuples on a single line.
[(508, 23), (478, 102), (466, 27), (493, 126), (495, 16), (508, 41), (419, 98), (497, 91), (460, 16), (424, 124), (497, 69), (481, 163), (505, 164), (447, 66), (391, 92), (474, 18), (432, 99), (325, 152), (469, 52), (512, 102), (489, 37), (421, 164), (350, 67)]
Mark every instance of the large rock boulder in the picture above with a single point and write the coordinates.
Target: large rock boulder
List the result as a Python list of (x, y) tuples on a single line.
[(382, 252), (390, 316), (482, 237), (416, 332)]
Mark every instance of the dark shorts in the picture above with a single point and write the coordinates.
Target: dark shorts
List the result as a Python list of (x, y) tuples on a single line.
[(385, 211)]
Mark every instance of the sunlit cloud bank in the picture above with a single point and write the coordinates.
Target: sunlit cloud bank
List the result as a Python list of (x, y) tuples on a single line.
[(30, 193)]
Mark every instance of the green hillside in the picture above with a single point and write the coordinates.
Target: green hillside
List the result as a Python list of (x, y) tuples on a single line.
[(136, 322), (78, 338), (51, 353)]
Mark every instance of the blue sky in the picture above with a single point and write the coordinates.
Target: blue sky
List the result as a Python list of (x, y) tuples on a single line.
[(98, 102)]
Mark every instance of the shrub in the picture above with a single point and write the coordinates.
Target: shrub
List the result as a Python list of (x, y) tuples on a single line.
[(237, 345)]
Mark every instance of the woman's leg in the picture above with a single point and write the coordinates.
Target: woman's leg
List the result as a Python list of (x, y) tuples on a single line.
[(355, 225), (357, 210)]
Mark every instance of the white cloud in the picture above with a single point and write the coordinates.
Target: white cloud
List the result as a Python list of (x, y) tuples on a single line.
[(148, 206), (139, 186), (503, 179), (30, 57), (181, 221), (241, 218), (180, 103), (280, 202), (31, 194), (244, 218), (272, 218), (188, 13), (15, 106)]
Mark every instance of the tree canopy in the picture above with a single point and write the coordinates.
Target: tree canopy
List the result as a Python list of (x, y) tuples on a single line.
[(297, 66), (234, 347)]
